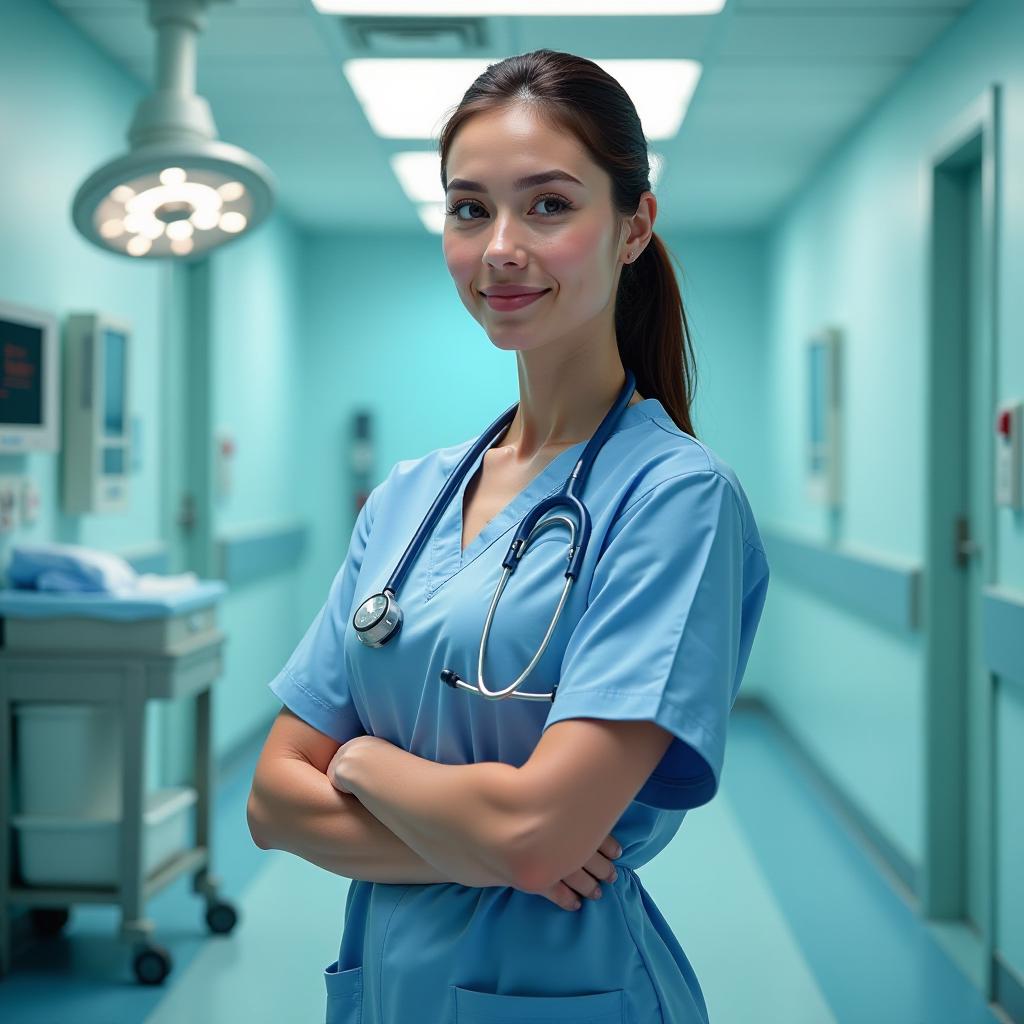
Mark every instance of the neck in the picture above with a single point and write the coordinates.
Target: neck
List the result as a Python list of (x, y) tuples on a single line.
[(563, 398)]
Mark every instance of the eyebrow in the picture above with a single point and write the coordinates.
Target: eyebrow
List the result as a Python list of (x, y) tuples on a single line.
[(531, 181)]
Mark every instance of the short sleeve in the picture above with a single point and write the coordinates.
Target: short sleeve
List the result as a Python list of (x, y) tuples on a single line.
[(313, 682), (673, 606)]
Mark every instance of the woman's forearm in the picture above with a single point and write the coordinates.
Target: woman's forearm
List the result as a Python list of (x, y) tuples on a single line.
[(294, 807), (466, 819)]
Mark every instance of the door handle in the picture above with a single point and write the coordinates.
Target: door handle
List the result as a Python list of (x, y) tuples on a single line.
[(965, 547)]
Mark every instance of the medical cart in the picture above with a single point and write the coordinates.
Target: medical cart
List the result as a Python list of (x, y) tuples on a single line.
[(97, 650)]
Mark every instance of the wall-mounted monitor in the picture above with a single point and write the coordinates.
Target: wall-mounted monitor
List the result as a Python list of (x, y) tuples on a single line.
[(29, 381)]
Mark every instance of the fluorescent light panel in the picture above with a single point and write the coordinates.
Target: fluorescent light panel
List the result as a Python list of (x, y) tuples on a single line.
[(432, 215), (518, 7), (419, 174), (411, 98)]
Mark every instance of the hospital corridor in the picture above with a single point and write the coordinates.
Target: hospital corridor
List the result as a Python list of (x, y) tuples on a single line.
[(511, 512)]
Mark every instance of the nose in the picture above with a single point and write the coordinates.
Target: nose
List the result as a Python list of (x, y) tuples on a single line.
[(504, 246)]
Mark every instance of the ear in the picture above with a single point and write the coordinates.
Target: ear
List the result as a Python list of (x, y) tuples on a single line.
[(640, 227)]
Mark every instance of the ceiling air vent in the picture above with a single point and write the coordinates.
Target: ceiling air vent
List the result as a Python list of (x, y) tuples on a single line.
[(414, 37)]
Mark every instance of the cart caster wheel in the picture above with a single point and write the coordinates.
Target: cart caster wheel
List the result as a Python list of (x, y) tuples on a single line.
[(221, 918), (152, 964), (49, 920)]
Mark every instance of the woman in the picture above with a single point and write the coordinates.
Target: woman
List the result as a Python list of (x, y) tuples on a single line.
[(511, 801)]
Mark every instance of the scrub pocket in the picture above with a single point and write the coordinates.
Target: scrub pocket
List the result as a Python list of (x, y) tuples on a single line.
[(488, 1008), (344, 994)]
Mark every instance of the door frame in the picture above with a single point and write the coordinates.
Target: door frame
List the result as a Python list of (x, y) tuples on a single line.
[(187, 468), (974, 134)]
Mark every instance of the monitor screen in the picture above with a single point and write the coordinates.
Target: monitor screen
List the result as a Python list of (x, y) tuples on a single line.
[(22, 356)]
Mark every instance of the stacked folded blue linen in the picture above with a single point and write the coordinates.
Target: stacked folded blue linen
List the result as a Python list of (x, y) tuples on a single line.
[(70, 568)]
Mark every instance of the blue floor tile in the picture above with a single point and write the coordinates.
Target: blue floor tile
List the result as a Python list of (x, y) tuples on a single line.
[(875, 961)]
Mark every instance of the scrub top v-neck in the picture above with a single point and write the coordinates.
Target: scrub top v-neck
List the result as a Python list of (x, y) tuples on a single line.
[(448, 556), (658, 627)]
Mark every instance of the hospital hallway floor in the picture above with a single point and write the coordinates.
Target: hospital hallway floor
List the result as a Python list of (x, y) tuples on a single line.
[(785, 915)]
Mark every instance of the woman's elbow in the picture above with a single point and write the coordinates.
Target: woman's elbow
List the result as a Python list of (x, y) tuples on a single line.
[(528, 857), (255, 821), (531, 876)]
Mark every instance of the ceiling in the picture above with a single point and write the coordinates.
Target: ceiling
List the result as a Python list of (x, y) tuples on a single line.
[(784, 82)]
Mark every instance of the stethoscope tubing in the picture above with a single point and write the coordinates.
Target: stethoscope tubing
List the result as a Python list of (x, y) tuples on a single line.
[(441, 502), (382, 617)]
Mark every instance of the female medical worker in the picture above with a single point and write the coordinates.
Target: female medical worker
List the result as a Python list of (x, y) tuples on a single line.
[(502, 802)]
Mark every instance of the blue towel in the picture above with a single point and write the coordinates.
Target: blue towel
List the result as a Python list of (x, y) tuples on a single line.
[(68, 567)]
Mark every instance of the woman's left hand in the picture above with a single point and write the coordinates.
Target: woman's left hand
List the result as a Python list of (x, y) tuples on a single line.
[(343, 764)]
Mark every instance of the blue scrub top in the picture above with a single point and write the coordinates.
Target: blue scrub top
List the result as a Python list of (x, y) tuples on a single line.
[(658, 626)]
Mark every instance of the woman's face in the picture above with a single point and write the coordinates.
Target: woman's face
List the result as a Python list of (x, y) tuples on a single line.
[(559, 235)]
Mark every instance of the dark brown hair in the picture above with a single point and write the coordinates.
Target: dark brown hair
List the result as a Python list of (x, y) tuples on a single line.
[(575, 94)]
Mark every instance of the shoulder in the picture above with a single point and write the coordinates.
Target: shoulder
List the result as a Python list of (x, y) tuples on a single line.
[(416, 480), (665, 460), (408, 475)]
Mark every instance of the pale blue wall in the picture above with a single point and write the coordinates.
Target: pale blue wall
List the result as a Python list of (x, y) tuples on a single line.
[(259, 361), (853, 251)]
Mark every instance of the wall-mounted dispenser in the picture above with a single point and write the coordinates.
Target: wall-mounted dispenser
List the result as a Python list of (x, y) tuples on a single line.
[(361, 458), (1009, 424), (97, 414), (824, 418)]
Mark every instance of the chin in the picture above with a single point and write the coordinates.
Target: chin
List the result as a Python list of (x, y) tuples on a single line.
[(515, 342)]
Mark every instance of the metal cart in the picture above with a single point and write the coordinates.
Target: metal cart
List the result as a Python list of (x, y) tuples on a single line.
[(81, 649)]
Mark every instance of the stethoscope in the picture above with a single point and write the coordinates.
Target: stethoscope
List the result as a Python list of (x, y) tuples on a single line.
[(379, 618)]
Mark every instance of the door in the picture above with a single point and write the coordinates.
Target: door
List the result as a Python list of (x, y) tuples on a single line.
[(957, 887)]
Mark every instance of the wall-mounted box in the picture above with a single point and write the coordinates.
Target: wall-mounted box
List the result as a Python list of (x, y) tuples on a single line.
[(97, 414), (824, 436)]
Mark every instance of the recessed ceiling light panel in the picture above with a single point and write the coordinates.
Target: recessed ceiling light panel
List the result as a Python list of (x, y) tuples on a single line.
[(410, 98)]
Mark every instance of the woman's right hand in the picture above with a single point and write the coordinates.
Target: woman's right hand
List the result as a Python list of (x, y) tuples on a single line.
[(584, 883)]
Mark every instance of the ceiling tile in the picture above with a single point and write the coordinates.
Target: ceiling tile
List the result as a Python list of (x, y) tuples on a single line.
[(648, 36), (746, 79), (871, 6), (833, 34)]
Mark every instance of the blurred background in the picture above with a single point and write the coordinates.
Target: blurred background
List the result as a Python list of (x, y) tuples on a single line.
[(842, 182)]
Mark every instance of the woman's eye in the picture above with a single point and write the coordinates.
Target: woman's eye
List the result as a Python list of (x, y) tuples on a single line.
[(453, 211), (563, 203), (554, 199)]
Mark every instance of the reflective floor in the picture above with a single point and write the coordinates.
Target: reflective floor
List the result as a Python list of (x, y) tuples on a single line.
[(784, 916)]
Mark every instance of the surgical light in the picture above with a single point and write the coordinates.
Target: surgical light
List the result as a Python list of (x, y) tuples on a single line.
[(179, 190)]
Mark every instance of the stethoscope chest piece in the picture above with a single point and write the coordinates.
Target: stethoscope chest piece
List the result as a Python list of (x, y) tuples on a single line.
[(377, 619)]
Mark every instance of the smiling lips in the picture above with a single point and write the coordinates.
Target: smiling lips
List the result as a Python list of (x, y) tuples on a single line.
[(508, 302)]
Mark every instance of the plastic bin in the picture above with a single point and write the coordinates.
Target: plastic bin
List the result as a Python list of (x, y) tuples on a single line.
[(77, 851), (69, 760)]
